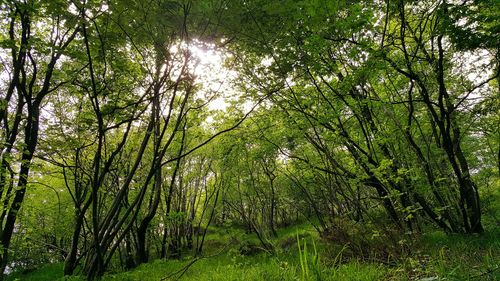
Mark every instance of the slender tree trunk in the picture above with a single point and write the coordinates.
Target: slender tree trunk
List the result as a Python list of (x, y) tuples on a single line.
[(30, 139), (71, 258)]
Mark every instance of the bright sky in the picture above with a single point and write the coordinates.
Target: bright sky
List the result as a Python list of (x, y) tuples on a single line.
[(215, 77)]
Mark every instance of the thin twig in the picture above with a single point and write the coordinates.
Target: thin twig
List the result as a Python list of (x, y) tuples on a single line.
[(183, 270)]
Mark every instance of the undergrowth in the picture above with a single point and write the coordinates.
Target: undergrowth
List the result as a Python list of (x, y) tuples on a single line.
[(301, 254)]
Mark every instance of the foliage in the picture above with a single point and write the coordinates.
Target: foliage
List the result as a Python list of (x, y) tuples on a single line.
[(133, 131), (436, 255)]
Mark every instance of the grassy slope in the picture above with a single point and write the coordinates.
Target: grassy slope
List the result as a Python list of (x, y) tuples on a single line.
[(435, 256)]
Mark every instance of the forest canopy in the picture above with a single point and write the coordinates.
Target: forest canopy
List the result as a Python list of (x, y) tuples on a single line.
[(131, 129)]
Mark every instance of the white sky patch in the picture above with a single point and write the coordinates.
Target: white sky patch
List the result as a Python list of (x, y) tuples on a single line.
[(213, 74), (290, 82), (267, 61), (475, 67), (284, 155), (208, 65)]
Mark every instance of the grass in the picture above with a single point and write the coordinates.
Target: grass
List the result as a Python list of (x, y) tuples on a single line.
[(434, 256), (45, 273), (461, 257)]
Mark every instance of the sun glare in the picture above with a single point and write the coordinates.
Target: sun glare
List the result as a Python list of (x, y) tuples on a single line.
[(211, 71)]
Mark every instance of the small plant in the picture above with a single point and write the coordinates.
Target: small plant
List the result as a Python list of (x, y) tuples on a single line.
[(308, 264)]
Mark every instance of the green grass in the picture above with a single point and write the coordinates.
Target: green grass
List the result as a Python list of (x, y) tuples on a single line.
[(45, 273), (434, 255), (464, 257), (260, 267)]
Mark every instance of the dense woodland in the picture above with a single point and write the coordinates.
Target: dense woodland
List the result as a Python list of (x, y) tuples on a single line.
[(135, 131)]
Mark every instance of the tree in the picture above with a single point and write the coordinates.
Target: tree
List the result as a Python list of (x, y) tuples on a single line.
[(33, 73), (346, 75)]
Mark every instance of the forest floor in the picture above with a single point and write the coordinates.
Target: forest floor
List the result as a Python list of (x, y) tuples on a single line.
[(230, 254)]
